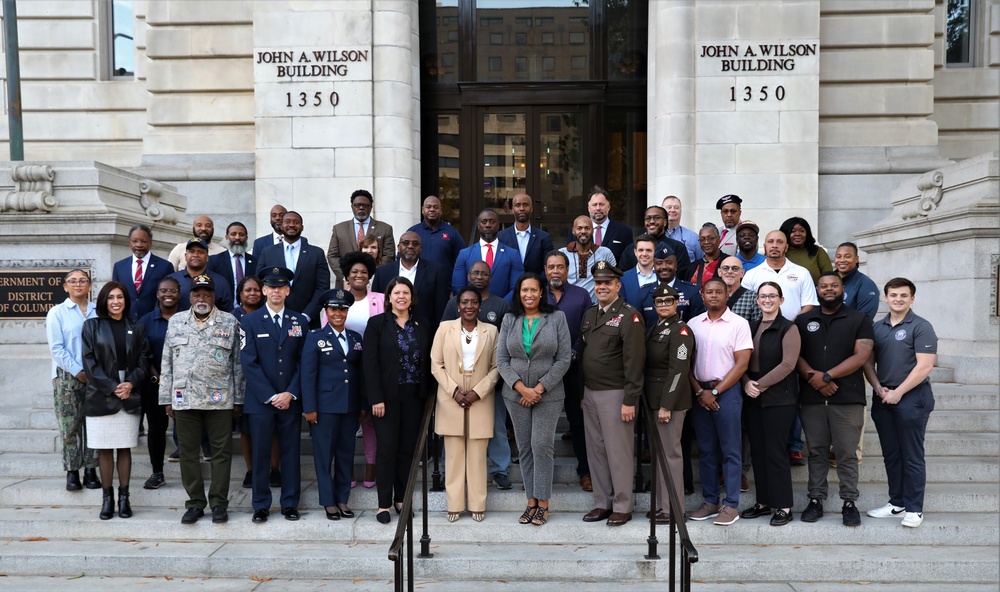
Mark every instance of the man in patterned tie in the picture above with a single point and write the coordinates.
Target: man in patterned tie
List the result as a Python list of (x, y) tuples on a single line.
[(729, 208), (234, 263)]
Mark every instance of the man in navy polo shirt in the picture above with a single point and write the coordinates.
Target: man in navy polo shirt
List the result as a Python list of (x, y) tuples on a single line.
[(439, 240)]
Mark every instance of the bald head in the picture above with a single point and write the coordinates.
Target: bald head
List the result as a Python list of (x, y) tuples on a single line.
[(731, 272), (583, 230), (277, 213), (775, 246), (204, 228)]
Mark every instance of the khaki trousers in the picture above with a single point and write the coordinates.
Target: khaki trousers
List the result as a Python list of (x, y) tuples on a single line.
[(610, 449), (465, 472)]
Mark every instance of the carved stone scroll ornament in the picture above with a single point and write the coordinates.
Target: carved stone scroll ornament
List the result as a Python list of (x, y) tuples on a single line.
[(32, 189), (149, 199), (931, 186)]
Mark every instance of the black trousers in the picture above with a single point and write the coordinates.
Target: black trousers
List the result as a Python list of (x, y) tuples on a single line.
[(397, 433), (767, 430), (573, 385), (156, 425)]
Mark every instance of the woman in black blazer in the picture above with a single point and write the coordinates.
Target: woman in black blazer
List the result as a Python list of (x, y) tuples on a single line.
[(115, 360), (397, 364)]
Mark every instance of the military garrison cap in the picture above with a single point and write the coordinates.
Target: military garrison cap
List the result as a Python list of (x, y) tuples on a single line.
[(663, 251)]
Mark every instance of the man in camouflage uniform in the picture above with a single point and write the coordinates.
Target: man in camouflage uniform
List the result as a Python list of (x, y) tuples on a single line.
[(201, 384)]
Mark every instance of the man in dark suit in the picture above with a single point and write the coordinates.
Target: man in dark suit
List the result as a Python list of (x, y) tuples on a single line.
[(312, 276), (655, 221), (272, 338), (607, 233), (196, 263), (531, 242), (345, 234), (235, 262), (141, 273), (505, 263), (429, 281), (274, 237)]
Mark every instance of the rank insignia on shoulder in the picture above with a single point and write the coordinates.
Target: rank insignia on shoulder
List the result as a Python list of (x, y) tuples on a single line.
[(635, 318), (682, 352)]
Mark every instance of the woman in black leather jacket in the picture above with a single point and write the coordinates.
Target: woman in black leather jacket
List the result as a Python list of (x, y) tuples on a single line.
[(115, 360)]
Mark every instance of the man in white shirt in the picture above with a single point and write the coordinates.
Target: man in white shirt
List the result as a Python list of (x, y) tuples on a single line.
[(795, 281), (204, 229), (274, 237)]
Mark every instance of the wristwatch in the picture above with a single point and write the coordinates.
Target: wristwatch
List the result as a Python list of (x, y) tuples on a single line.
[(715, 392), (827, 377)]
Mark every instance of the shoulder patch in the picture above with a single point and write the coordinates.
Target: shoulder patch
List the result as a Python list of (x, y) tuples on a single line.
[(682, 352), (635, 318), (684, 331)]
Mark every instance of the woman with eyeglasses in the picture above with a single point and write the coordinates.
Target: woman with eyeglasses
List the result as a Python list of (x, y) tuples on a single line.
[(771, 393), (802, 248), (669, 350), (708, 266), (63, 328)]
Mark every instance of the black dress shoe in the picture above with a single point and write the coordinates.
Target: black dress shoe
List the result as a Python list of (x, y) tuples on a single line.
[(781, 518), (596, 515), (248, 480), (220, 515), (275, 478), (346, 512), (192, 515), (755, 511), (290, 513), (90, 480), (384, 517), (73, 481), (260, 516), (334, 515)]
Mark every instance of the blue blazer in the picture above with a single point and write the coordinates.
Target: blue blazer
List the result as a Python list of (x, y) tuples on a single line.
[(331, 380), (615, 239), (539, 245), (507, 267), (222, 264), (260, 243), (312, 277), (631, 291), (271, 358), (690, 306), (145, 301)]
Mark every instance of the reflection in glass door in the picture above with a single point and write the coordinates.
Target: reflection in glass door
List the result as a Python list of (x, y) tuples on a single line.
[(504, 164)]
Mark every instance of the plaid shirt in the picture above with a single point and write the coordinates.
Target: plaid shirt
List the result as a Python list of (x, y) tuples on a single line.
[(744, 303)]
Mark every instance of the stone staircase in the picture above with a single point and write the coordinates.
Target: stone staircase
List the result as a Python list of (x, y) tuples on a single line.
[(49, 535)]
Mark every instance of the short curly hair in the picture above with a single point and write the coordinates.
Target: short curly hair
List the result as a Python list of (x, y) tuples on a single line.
[(354, 257)]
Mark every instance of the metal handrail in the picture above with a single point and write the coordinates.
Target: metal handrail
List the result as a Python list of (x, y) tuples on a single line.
[(405, 525), (678, 528)]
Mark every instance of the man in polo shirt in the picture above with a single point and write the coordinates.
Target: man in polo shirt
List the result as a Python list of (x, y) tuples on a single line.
[(860, 292), (836, 342), (905, 350), (441, 242), (747, 237), (795, 281), (723, 344)]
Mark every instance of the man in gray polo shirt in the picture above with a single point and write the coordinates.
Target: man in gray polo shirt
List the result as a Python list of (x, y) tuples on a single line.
[(905, 350)]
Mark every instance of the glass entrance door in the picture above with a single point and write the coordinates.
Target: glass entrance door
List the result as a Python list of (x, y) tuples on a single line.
[(535, 150)]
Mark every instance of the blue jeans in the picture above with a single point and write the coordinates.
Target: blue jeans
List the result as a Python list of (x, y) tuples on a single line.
[(795, 436), (498, 450), (901, 429), (719, 435)]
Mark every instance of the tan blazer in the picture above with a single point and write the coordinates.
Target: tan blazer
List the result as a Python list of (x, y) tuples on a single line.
[(345, 240), (446, 362)]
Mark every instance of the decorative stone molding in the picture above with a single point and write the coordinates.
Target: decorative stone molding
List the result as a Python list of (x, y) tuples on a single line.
[(68, 264), (931, 186), (32, 189), (149, 199)]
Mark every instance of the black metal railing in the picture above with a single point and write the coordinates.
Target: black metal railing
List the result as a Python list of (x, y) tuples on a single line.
[(678, 529), (404, 529)]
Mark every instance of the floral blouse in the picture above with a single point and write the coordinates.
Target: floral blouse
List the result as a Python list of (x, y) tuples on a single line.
[(409, 353)]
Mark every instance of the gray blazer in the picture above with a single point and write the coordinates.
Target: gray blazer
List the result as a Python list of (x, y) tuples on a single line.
[(551, 351)]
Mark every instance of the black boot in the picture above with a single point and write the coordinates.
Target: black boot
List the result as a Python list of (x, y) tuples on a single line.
[(73, 481), (90, 480), (108, 504), (124, 508)]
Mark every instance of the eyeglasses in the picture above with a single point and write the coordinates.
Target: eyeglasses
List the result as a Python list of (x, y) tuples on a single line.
[(768, 296), (730, 267), (650, 218), (77, 282), (663, 301), (410, 243), (361, 205), (707, 239), (168, 291)]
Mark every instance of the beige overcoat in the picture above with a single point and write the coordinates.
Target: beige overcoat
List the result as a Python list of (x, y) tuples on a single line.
[(446, 366)]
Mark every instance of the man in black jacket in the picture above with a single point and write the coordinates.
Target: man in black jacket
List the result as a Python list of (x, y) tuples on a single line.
[(836, 342)]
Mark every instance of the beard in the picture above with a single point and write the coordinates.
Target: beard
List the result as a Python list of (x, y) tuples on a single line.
[(557, 284), (831, 304), (201, 308), (238, 249)]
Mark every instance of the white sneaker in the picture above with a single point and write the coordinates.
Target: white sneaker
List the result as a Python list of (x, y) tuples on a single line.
[(912, 519), (886, 511)]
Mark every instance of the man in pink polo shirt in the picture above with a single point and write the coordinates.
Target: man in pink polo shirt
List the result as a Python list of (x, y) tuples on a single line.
[(723, 343)]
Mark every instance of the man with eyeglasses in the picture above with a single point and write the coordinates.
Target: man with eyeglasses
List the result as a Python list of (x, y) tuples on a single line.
[(655, 221), (741, 301), (429, 281), (347, 234), (142, 270), (730, 208)]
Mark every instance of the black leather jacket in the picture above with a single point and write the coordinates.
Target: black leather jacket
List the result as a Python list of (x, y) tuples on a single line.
[(100, 363)]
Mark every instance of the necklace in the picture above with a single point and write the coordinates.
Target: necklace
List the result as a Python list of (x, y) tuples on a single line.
[(468, 335)]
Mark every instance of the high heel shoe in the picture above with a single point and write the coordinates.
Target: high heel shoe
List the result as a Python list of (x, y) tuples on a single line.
[(124, 508), (334, 515), (108, 504), (541, 516), (527, 515), (345, 512)]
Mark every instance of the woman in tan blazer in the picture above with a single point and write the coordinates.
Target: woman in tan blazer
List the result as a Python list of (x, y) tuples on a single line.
[(463, 361)]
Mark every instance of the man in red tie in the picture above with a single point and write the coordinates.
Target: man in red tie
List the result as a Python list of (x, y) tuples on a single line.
[(141, 272), (729, 207), (505, 262)]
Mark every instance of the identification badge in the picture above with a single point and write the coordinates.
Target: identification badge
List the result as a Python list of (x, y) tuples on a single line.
[(178, 397), (259, 335)]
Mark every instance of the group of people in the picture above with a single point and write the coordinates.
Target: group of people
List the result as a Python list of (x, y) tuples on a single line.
[(725, 345)]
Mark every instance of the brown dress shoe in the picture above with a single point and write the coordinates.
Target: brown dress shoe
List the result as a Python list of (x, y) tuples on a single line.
[(586, 484), (596, 515), (619, 518)]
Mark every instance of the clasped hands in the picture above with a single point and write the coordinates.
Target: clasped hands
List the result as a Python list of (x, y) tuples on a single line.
[(465, 399), (529, 396), (825, 388), (123, 390)]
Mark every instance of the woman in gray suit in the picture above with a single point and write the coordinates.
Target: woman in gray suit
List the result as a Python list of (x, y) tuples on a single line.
[(533, 354)]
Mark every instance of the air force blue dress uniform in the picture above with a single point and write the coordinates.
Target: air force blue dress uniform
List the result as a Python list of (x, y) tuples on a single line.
[(332, 388), (270, 356)]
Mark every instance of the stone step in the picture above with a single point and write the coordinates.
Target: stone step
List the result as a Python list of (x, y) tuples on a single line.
[(150, 524), (939, 497), (499, 561)]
